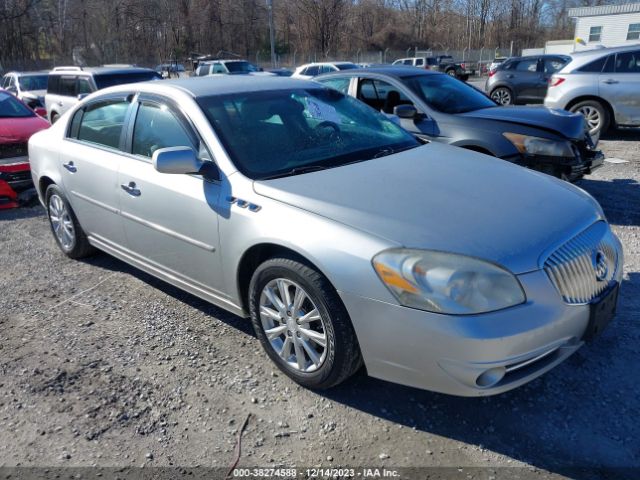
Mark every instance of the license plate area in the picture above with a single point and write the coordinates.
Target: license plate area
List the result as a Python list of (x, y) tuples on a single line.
[(602, 312)]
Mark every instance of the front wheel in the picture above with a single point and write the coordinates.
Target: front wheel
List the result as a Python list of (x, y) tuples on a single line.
[(595, 114), (302, 324)]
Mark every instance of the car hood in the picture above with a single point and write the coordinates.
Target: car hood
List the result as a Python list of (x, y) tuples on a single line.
[(445, 198), (14, 130), (569, 125)]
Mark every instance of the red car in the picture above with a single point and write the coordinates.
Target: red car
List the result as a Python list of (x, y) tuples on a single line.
[(17, 123)]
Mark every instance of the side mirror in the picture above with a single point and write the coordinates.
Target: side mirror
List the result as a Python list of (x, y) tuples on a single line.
[(41, 112), (12, 89), (406, 111), (82, 96), (183, 160)]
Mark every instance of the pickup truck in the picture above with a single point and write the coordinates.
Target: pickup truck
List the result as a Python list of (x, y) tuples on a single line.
[(441, 63)]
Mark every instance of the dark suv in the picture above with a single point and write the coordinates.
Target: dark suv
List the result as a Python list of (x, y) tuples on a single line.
[(523, 79)]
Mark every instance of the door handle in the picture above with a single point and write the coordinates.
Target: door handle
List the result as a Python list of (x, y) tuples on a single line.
[(60, 104), (610, 81), (70, 166), (131, 189)]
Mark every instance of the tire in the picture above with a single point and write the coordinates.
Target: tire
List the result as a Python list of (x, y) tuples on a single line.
[(54, 118), (595, 114), (332, 364), (451, 72), (65, 226), (502, 96)]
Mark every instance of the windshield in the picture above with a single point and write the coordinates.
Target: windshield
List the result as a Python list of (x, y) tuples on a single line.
[(346, 66), (111, 79), (447, 94), (33, 82), (12, 108), (285, 132), (241, 67)]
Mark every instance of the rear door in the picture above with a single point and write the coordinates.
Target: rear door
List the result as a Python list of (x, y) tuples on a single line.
[(548, 66), (90, 161), (170, 221), (525, 78), (620, 86)]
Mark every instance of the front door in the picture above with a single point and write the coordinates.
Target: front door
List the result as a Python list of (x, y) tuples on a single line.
[(621, 87), (170, 220)]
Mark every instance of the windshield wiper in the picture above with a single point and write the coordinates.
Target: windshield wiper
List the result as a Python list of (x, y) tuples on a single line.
[(296, 171), (383, 152)]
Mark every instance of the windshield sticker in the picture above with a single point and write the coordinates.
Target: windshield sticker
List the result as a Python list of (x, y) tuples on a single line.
[(322, 111)]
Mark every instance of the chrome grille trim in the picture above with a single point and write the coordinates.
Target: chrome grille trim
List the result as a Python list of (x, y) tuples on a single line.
[(571, 268)]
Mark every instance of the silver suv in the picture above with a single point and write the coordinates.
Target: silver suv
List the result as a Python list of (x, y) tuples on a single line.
[(343, 238), (603, 85), (68, 85)]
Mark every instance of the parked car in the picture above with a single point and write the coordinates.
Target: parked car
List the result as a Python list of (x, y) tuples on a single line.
[(17, 123), (434, 106), (343, 238), (30, 87), (171, 70), (310, 70), (603, 85), (229, 67), (440, 63), (523, 79), (281, 72), (67, 85)]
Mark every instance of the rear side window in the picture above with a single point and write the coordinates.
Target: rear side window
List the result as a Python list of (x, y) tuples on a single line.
[(102, 123), (340, 84), (552, 65), (84, 86), (157, 127), (53, 84), (111, 79), (628, 62), (595, 66), (67, 86), (312, 71), (408, 61), (530, 65), (419, 62)]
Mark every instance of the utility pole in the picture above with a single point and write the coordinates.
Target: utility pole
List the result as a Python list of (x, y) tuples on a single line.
[(272, 33)]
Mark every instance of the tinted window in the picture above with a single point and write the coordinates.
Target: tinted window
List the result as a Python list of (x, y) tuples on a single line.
[(67, 86), (313, 71), (102, 123), (419, 62), (12, 108), (530, 65), (84, 86), (241, 67), (595, 33), (340, 84), (272, 132), (408, 61), (53, 84), (381, 95), (595, 66), (346, 66), (33, 82), (111, 79), (628, 62), (447, 94), (157, 127)]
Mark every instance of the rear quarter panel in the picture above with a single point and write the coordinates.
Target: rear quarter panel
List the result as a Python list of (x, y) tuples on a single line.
[(44, 156)]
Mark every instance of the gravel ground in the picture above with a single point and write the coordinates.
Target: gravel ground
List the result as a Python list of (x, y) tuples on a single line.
[(103, 365)]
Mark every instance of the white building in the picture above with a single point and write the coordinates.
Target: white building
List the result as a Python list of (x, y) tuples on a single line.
[(607, 25), (602, 26)]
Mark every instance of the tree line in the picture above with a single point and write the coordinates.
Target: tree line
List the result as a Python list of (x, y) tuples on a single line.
[(52, 32)]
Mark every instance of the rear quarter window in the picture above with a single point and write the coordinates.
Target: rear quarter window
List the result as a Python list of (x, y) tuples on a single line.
[(594, 66)]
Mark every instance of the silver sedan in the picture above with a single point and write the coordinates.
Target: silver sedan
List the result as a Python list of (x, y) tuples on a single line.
[(344, 239)]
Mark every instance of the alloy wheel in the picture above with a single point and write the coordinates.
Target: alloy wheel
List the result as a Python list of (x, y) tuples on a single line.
[(592, 116), (502, 96), (293, 325), (61, 222)]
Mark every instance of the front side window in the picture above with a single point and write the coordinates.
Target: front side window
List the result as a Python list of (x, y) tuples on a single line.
[(84, 87), (241, 67), (634, 32), (419, 62), (529, 65), (282, 132), (628, 62), (218, 68), (595, 33), (312, 71), (381, 95), (12, 108), (157, 127), (102, 122), (448, 95)]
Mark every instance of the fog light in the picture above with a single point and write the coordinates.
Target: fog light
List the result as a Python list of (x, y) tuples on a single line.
[(490, 377)]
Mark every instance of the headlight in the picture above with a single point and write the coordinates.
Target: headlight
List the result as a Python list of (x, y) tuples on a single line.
[(540, 146), (447, 283)]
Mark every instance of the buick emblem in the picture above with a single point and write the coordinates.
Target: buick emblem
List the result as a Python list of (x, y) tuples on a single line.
[(600, 265)]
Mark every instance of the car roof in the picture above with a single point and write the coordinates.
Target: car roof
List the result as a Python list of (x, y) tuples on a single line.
[(399, 71), (604, 51), (99, 70), (223, 85), (27, 74)]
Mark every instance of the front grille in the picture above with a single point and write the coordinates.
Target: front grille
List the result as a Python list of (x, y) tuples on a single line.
[(586, 265), (11, 150)]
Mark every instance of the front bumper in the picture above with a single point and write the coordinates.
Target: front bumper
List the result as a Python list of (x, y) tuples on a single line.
[(459, 354), (15, 179), (572, 169)]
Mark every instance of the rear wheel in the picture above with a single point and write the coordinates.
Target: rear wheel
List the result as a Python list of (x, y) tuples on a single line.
[(502, 96), (302, 324), (451, 72), (595, 114), (65, 226)]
